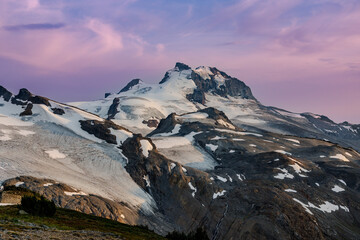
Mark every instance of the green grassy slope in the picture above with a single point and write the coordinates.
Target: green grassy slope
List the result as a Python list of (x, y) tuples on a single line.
[(65, 219)]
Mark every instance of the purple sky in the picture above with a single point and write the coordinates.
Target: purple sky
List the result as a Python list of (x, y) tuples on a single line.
[(298, 55)]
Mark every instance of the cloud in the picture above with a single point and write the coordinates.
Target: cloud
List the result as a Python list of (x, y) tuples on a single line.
[(109, 38), (35, 26), (32, 4)]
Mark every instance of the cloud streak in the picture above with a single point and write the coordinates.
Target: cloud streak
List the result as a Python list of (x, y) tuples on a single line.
[(35, 26)]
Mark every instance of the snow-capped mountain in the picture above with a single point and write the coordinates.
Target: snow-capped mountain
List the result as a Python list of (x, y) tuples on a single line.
[(213, 157), (140, 106)]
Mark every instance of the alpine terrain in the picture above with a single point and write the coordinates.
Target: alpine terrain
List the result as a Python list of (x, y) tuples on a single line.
[(195, 150)]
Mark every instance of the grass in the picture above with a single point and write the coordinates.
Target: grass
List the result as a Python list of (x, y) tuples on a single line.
[(66, 219)]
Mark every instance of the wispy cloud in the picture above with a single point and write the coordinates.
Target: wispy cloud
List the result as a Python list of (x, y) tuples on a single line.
[(35, 26)]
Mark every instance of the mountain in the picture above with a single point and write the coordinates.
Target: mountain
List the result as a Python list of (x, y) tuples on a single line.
[(140, 106), (196, 150), (46, 139)]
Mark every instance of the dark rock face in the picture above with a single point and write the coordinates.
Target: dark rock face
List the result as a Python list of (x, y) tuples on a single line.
[(178, 67), (130, 85), (260, 201), (90, 204), (58, 111), (169, 187), (5, 93), (165, 78), (27, 111), (197, 96), (113, 109), (181, 66), (165, 125), (215, 114), (101, 129), (107, 94), (25, 95), (231, 87), (40, 100), (152, 123)]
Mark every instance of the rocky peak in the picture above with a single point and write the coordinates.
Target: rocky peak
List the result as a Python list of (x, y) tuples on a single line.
[(215, 114), (209, 80), (131, 84), (23, 94), (5, 93), (181, 66), (212, 80)]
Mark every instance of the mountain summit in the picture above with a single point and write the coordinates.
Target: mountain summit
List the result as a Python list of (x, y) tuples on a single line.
[(210, 80)]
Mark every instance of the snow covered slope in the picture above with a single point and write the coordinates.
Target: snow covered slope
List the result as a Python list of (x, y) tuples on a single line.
[(140, 106), (43, 138)]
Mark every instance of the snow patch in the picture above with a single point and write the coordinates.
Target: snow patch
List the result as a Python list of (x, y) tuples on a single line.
[(293, 140), (172, 166), (230, 179), (340, 157), (55, 154), (284, 174), (48, 184), (218, 138), (170, 142), (342, 181), (175, 130), (74, 193), (326, 207), (7, 204), (238, 132), (221, 179), (145, 147), (241, 177), (283, 152), (121, 135), (25, 132), (147, 180), (212, 147), (337, 188), (196, 115), (290, 190), (18, 184), (298, 169), (225, 124), (348, 154), (192, 188), (219, 194)]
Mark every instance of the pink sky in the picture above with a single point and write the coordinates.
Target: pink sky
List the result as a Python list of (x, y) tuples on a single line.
[(303, 56)]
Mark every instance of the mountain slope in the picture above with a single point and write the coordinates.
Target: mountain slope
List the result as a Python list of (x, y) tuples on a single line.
[(140, 106), (68, 145)]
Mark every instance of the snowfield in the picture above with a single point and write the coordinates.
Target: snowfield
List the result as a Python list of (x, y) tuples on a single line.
[(46, 145)]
